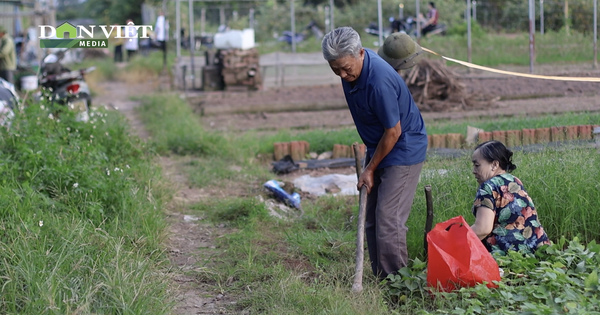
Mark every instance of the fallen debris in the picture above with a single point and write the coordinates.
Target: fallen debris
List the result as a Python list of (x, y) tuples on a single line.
[(435, 88)]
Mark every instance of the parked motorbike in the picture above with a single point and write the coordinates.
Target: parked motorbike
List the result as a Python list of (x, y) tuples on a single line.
[(301, 36), (407, 25), (9, 102), (67, 87)]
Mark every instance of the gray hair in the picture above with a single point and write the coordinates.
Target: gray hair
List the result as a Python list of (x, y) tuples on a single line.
[(341, 42)]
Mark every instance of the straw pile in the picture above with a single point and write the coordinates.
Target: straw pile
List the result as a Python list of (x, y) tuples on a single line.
[(435, 88)]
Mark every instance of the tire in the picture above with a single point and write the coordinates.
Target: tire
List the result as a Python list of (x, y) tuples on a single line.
[(81, 105)]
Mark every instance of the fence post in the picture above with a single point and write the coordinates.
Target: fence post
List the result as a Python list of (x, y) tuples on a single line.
[(469, 47), (531, 35), (192, 43), (542, 17), (327, 20), (595, 34), (178, 27), (418, 10), (331, 9), (293, 18), (380, 23)]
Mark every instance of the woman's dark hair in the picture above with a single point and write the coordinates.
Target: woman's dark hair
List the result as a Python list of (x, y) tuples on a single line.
[(432, 4), (496, 151)]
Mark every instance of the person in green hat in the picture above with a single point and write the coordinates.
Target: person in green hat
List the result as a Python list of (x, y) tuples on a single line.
[(8, 56), (401, 51)]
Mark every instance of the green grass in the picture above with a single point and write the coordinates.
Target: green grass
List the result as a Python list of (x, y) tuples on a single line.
[(176, 128), (80, 218), (306, 266), (513, 123), (323, 140), (488, 49)]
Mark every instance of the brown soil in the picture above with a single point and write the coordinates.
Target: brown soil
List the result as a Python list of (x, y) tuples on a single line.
[(513, 95)]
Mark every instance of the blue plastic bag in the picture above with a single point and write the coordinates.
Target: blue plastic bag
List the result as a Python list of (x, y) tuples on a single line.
[(292, 200)]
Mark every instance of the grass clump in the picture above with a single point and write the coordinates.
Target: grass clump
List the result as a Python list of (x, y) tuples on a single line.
[(175, 128), (80, 217), (560, 279)]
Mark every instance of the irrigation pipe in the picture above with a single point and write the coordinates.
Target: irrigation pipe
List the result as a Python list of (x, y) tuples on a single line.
[(518, 74)]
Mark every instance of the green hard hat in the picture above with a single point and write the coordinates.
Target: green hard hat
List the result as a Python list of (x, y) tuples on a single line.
[(401, 51)]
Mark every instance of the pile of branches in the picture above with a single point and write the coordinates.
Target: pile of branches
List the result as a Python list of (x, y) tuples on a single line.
[(435, 88)]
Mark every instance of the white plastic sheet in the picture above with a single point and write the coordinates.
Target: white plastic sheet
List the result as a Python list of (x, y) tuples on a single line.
[(335, 184)]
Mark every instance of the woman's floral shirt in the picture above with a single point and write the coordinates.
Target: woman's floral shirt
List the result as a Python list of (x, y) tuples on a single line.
[(516, 225)]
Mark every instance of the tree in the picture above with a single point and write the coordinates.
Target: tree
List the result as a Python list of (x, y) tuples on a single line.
[(115, 11)]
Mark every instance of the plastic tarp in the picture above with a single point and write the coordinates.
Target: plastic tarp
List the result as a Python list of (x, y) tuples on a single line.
[(335, 184)]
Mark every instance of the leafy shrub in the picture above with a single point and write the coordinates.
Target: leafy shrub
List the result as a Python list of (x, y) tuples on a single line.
[(554, 281)]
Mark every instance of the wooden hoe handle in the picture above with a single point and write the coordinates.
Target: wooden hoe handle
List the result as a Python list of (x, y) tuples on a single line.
[(362, 212)]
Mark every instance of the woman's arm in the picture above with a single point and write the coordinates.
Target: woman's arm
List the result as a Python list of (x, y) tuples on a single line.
[(484, 222)]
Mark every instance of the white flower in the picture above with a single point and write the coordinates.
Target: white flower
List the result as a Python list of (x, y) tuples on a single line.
[(103, 120), (91, 136), (94, 127), (41, 223), (51, 116), (68, 128), (116, 169), (108, 172), (58, 120), (75, 185), (127, 165), (106, 133), (50, 89), (42, 107)]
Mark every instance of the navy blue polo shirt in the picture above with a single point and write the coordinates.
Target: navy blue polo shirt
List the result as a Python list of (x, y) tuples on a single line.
[(377, 101)]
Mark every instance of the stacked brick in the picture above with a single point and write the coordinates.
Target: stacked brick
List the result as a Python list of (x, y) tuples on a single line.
[(511, 138), (240, 68), (514, 138), (450, 140), (299, 150)]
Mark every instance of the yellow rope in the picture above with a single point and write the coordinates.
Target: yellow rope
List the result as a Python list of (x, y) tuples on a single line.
[(533, 76)]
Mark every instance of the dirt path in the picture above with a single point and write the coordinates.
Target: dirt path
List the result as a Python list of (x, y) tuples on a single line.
[(190, 239)]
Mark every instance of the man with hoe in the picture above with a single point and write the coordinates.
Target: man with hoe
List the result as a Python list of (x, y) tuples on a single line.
[(390, 124), (8, 56)]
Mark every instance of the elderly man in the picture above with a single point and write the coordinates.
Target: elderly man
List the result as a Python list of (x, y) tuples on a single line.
[(391, 126)]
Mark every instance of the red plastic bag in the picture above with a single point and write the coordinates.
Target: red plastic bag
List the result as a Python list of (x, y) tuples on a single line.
[(457, 258)]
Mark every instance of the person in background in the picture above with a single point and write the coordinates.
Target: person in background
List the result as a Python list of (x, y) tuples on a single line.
[(118, 42), (390, 124), (432, 19), (8, 56), (161, 33), (131, 43), (505, 216)]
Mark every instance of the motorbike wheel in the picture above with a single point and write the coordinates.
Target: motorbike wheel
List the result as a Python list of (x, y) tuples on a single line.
[(81, 105)]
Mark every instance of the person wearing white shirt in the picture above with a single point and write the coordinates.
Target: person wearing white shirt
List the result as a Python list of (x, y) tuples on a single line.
[(131, 43), (161, 29)]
